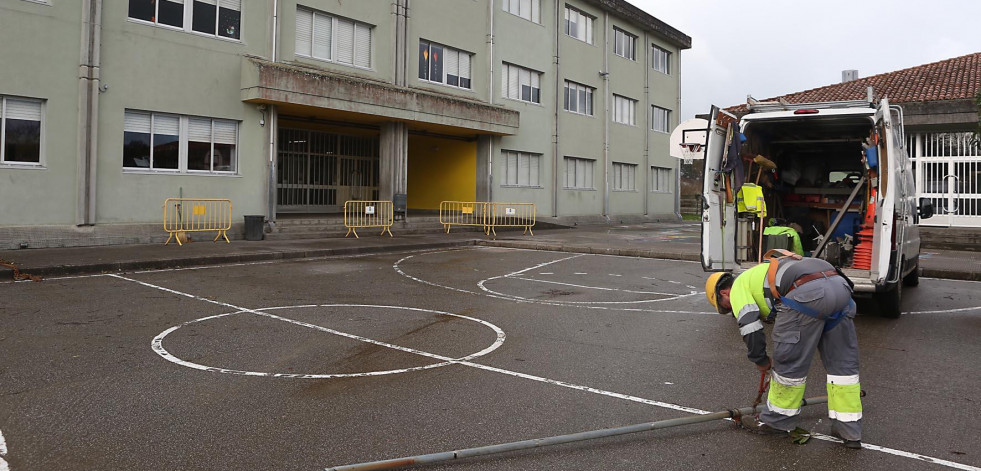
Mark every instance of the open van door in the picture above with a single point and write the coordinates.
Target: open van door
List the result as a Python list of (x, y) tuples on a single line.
[(885, 206), (718, 216)]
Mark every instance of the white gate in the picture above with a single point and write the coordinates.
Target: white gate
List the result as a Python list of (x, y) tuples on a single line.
[(948, 171)]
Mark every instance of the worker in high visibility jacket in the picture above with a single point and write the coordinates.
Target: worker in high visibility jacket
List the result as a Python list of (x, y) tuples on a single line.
[(815, 307)]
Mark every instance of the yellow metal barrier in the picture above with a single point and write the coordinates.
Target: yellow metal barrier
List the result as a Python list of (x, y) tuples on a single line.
[(359, 214), (511, 215), (183, 215), (463, 213)]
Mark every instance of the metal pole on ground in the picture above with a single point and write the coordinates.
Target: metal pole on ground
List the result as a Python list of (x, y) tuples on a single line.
[(557, 440)]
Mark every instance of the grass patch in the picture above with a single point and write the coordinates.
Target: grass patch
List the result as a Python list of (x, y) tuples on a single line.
[(691, 217)]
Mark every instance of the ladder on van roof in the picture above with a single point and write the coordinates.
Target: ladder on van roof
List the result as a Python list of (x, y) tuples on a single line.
[(755, 105)]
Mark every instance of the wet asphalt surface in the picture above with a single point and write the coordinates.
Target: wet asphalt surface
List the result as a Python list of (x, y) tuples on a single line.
[(315, 363)]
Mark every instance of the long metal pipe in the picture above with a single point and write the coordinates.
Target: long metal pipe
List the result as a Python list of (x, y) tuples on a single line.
[(557, 440)]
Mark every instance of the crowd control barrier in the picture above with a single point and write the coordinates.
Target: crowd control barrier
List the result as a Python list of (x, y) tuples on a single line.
[(463, 213), (362, 214), (511, 215), (183, 215)]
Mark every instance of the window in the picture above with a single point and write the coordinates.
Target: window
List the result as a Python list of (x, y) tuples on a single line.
[(624, 176), (435, 59), (661, 60), (521, 169), (174, 143), (212, 17), (578, 98), (624, 44), (334, 39), (20, 131), (660, 180), (659, 118), (579, 173), (519, 83), (578, 25), (624, 110), (527, 9)]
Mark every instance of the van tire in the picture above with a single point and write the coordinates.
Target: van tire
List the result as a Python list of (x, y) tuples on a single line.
[(913, 279), (888, 301)]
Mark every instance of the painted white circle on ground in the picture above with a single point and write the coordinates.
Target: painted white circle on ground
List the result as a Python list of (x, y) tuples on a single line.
[(157, 343)]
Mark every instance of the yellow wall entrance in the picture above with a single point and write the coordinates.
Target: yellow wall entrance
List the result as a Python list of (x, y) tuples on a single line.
[(440, 170)]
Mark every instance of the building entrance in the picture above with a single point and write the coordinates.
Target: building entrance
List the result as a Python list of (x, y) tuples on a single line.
[(317, 171)]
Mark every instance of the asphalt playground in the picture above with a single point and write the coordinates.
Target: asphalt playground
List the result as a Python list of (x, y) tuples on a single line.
[(326, 361)]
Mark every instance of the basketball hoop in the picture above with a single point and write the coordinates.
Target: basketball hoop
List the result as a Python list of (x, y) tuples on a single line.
[(689, 151)]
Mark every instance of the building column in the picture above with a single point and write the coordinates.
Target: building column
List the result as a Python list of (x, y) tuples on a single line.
[(89, 88), (485, 173), (393, 160)]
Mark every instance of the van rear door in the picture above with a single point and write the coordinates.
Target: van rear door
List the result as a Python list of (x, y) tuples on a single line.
[(718, 216), (882, 242)]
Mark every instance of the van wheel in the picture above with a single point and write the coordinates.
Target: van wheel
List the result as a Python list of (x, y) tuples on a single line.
[(913, 279), (888, 301)]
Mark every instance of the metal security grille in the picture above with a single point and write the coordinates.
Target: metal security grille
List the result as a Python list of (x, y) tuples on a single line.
[(948, 171), (318, 171)]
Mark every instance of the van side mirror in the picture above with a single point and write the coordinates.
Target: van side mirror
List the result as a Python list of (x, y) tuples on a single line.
[(926, 208)]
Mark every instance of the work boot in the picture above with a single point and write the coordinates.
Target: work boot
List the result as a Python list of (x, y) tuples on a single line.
[(753, 424), (850, 444)]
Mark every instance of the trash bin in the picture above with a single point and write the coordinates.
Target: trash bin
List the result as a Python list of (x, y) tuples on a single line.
[(253, 227), (399, 203)]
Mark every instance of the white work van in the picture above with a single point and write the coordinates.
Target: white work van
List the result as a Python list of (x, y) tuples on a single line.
[(842, 182)]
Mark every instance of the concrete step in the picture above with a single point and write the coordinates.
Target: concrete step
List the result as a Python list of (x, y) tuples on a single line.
[(951, 238)]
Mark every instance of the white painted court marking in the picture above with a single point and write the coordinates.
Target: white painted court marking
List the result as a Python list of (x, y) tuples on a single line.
[(3, 454), (463, 362)]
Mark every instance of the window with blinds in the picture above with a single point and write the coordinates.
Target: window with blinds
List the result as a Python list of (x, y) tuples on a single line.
[(624, 44), (660, 118), (624, 177), (174, 143), (624, 110), (444, 65), (332, 38), (20, 123), (579, 173), (578, 98), (530, 10), (521, 169), (578, 25), (221, 18), (660, 180), (661, 60), (519, 83)]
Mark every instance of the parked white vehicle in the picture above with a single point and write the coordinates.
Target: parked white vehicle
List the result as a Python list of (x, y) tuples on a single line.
[(842, 178)]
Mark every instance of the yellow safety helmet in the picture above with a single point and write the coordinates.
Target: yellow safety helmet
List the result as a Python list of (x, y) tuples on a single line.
[(711, 288)]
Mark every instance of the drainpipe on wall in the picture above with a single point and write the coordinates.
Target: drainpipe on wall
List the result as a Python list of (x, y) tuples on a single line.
[(88, 112), (677, 119), (558, 101), (606, 115), (647, 124), (490, 99), (273, 125)]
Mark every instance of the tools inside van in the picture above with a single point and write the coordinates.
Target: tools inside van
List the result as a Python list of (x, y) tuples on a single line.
[(817, 183)]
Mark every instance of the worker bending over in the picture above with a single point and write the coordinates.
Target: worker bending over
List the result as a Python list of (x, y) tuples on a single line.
[(815, 312)]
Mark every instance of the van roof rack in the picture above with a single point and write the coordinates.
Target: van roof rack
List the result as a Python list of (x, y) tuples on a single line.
[(783, 105)]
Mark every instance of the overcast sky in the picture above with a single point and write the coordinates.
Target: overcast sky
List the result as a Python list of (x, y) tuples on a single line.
[(768, 48)]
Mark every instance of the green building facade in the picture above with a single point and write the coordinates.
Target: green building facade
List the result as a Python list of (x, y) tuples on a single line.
[(109, 107)]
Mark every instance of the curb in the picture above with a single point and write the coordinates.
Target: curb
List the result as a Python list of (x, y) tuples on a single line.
[(552, 247)]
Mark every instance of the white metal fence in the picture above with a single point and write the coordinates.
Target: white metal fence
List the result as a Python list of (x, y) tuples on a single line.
[(948, 171)]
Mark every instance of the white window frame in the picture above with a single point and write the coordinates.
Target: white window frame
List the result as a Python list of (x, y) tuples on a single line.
[(515, 78), (579, 173), (660, 59), (661, 179), (188, 17), (328, 47), (583, 30), (660, 119), (4, 115), (521, 169), (584, 95), (624, 44), (624, 110), (530, 10), (624, 177), (449, 54), (183, 136)]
